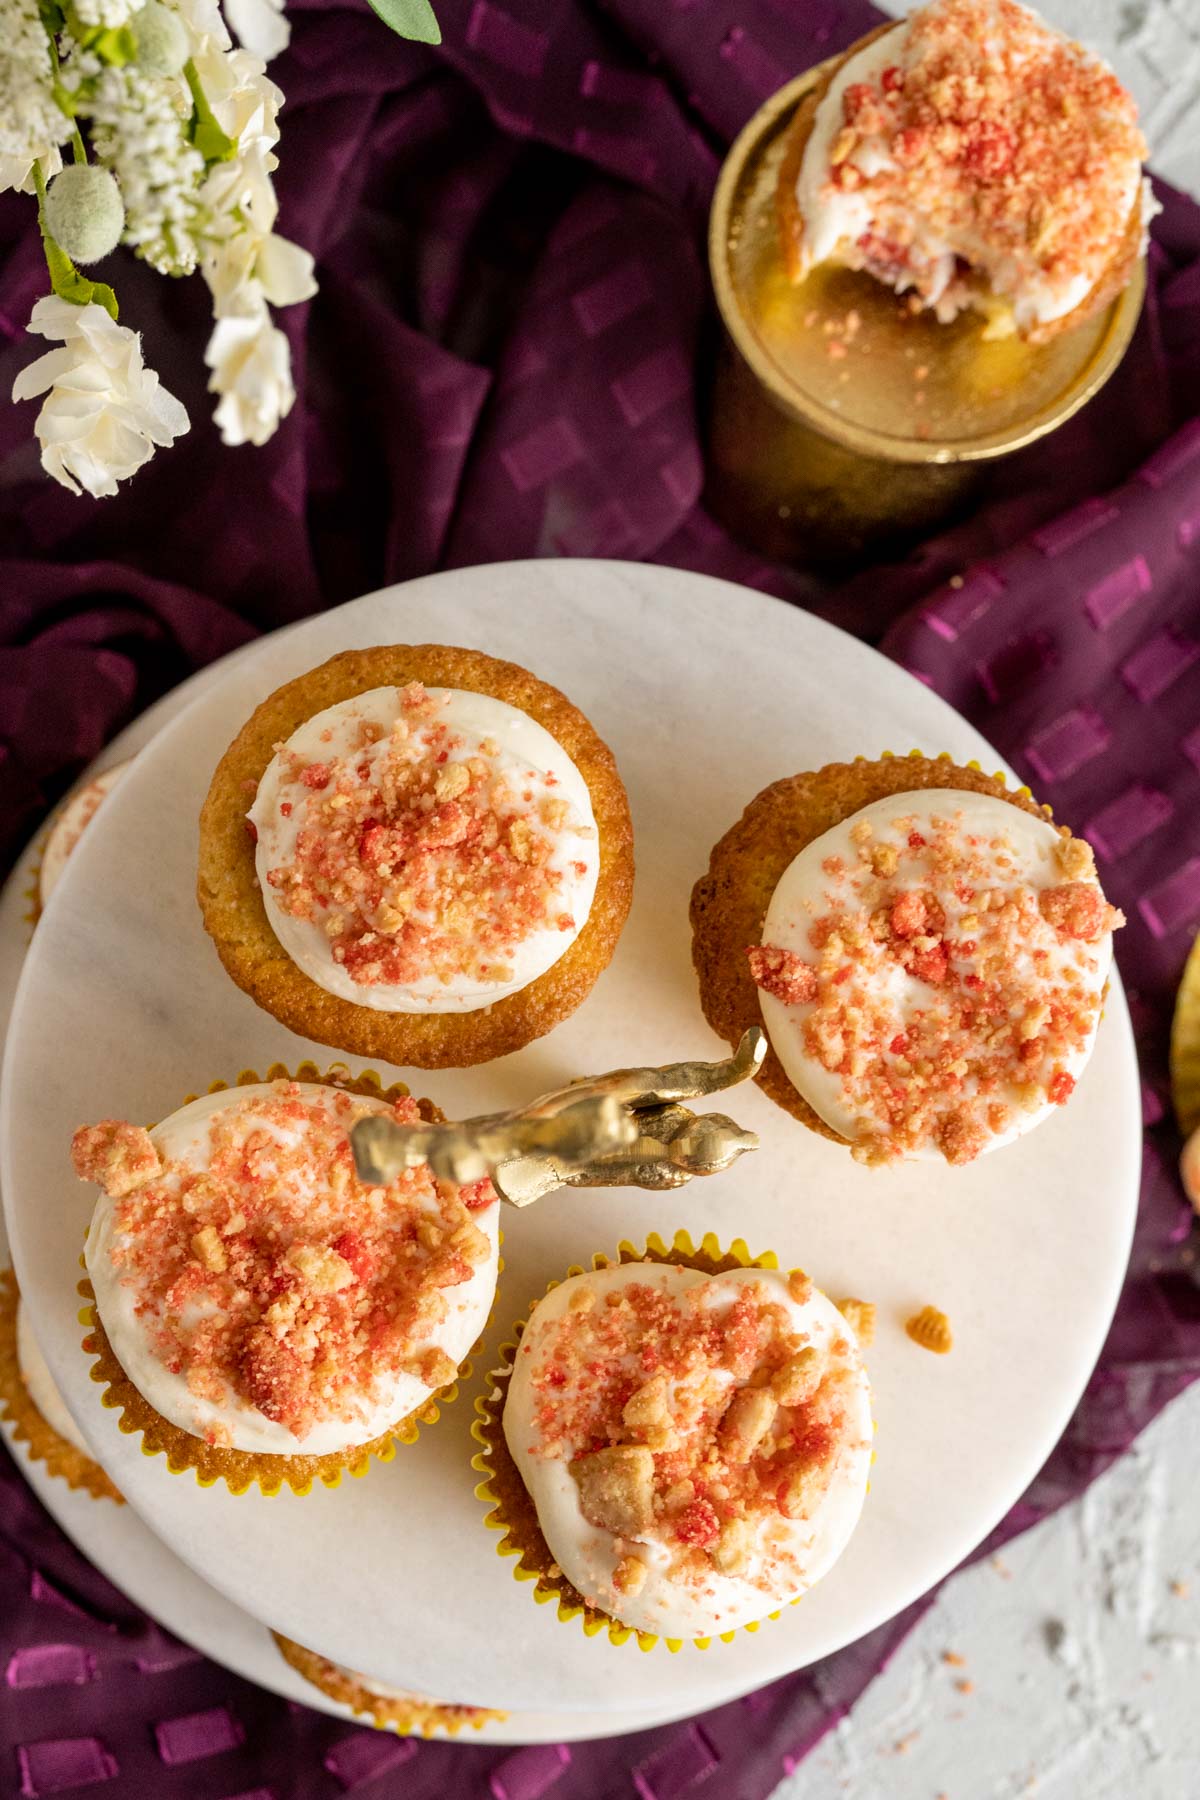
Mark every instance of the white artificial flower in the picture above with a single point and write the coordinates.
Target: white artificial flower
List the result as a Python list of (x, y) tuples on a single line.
[(251, 363), (139, 131), (32, 124), (246, 268), (104, 410), (110, 14), (244, 99), (203, 20), (259, 26)]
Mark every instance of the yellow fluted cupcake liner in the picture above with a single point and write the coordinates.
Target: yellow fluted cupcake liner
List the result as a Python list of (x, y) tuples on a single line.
[(243, 1469), (1185, 1046), (411, 1716), (512, 1513), (43, 1444)]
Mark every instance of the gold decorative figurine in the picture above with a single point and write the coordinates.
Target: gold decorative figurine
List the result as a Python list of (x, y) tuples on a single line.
[(629, 1128)]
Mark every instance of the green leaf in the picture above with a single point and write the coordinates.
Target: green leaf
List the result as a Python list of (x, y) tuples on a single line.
[(410, 19), (203, 130), (53, 17), (113, 44)]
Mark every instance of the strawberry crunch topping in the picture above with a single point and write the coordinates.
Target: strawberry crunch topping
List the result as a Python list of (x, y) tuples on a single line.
[(419, 854), (708, 1431), (988, 135), (946, 994), (266, 1270)]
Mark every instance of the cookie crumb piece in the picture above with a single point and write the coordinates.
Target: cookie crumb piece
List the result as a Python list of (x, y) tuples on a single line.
[(208, 1249), (629, 1576), (616, 1488), (860, 1317), (582, 1300), (799, 1378), (1076, 859), (732, 1550), (801, 1490), (437, 1369), (930, 1328), (747, 1420), (799, 1287), (646, 1408), (116, 1156), (322, 1268)]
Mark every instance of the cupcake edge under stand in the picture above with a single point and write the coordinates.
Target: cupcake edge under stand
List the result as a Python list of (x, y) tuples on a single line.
[(996, 1241)]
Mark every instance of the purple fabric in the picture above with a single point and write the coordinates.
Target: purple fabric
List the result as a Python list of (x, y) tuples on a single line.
[(502, 362)]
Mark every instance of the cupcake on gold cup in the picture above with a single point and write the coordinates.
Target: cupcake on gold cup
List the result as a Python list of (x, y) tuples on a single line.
[(927, 253), (928, 953), (678, 1443), (257, 1313), (387, 1708), (418, 853), (30, 1399), (972, 158)]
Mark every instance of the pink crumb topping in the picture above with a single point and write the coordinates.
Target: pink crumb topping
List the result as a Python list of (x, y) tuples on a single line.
[(417, 858), (990, 126), (700, 1389), (273, 1272), (1011, 972)]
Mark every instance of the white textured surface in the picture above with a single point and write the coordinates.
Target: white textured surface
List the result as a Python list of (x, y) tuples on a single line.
[(1084, 1663)]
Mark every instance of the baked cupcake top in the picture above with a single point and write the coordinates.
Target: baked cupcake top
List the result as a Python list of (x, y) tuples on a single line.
[(931, 973), (259, 1295), (696, 1446), (40, 1386), (973, 140), (424, 849), (69, 826)]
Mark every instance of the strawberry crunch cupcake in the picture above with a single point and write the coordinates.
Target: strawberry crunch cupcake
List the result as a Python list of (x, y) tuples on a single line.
[(418, 853), (387, 1708), (971, 157), (928, 952), (259, 1313), (679, 1446), (30, 1399), (69, 825)]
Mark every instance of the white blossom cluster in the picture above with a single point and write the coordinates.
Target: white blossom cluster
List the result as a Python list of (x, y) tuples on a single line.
[(32, 124), (151, 125), (107, 13), (138, 130)]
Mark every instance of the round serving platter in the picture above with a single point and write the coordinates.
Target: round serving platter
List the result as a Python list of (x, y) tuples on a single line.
[(705, 691)]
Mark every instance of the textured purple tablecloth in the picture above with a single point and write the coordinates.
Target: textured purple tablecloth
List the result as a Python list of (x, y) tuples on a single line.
[(502, 362)]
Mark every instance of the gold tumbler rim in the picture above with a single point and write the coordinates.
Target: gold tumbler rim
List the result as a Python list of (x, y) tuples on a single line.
[(770, 118)]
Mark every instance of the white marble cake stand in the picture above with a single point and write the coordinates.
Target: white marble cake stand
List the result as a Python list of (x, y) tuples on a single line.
[(706, 691)]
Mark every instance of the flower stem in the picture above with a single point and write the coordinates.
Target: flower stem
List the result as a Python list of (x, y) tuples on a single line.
[(203, 130), (65, 279)]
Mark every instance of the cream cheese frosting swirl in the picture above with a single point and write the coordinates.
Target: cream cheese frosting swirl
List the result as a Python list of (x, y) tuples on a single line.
[(39, 1384), (931, 973), (973, 153), (424, 850), (257, 1294), (696, 1446)]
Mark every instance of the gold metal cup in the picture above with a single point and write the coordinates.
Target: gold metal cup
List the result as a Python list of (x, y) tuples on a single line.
[(839, 417)]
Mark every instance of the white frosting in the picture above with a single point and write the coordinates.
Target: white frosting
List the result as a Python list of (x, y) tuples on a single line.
[(39, 1384), (537, 764), (801, 896), (185, 1137), (588, 1555), (76, 813), (835, 218)]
